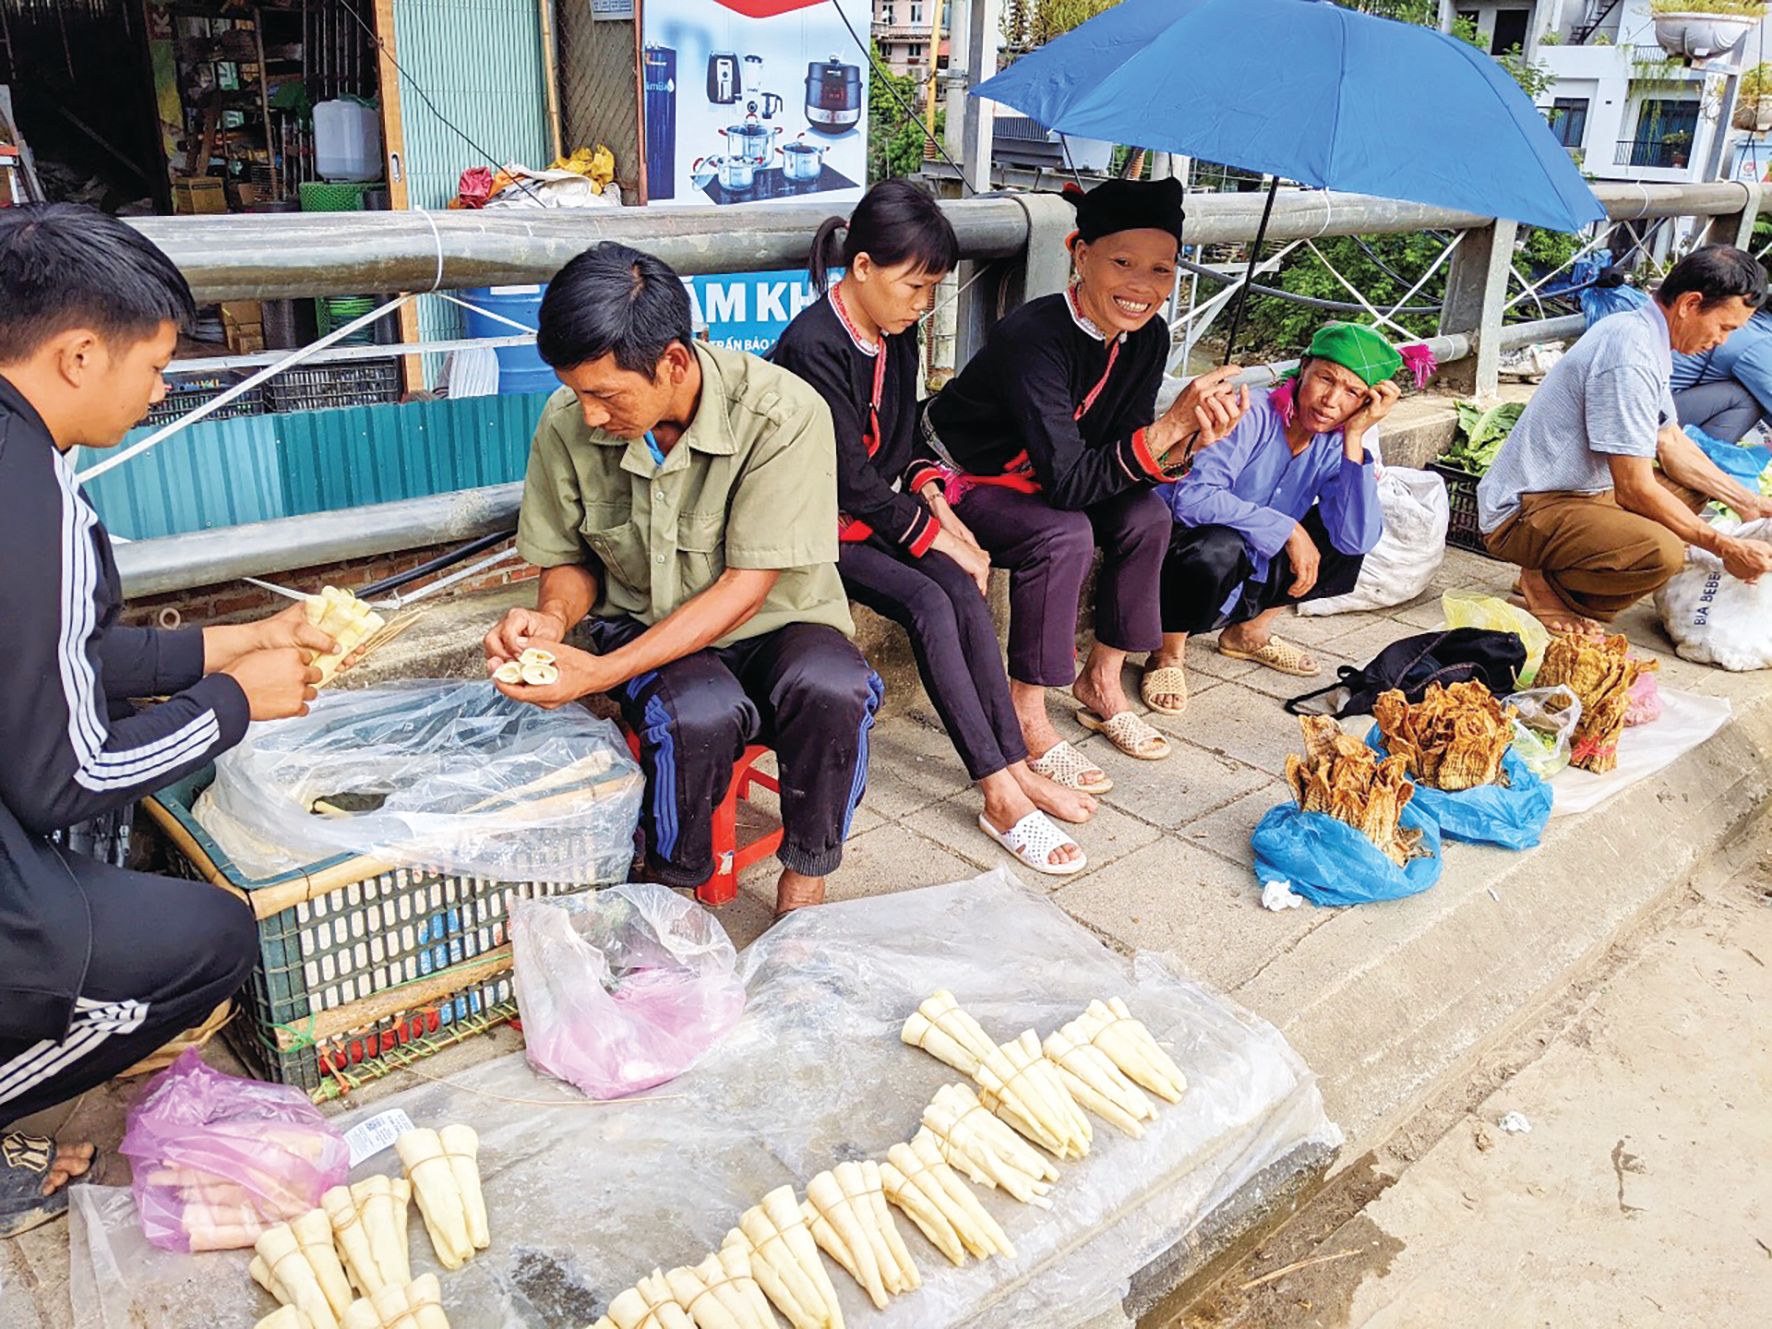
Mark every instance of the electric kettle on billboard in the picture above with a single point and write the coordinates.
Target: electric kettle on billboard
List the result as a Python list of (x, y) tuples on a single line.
[(833, 96)]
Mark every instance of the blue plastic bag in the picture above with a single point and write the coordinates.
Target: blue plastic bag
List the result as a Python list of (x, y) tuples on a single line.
[(1740, 462), (1513, 815), (1599, 301), (1329, 862)]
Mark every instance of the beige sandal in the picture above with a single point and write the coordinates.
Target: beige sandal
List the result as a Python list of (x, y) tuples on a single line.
[(1127, 732), (1164, 681), (1063, 764), (1277, 654)]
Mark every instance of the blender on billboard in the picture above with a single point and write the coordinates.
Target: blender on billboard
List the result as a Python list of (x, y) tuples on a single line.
[(747, 100)]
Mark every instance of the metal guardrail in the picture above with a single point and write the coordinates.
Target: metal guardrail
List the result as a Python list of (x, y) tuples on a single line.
[(1652, 152), (1012, 245)]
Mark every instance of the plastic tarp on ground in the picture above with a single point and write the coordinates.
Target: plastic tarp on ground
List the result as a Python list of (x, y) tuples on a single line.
[(1687, 719), (586, 1198)]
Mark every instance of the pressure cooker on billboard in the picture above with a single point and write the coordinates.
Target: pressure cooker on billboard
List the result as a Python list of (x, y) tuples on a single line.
[(746, 100)]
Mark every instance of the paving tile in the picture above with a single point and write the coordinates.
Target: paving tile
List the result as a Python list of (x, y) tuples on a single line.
[(1241, 723), (1178, 898), (1279, 686), (912, 763), (1423, 613), (1320, 629), (1187, 784), (1106, 837), (1226, 831), (1371, 637)]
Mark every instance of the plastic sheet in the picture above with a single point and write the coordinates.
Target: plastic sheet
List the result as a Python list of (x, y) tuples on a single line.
[(440, 774), (1687, 719), (1512, 815), (586, 1198), (624, 989), (217, 1157), (1330, 863), (1470, 609), (1545, 727)]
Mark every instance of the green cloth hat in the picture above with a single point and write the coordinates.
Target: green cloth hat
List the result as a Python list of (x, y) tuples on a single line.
[(1357, 347)]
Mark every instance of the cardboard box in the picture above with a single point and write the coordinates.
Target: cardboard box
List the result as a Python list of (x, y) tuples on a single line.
[(198, 195)]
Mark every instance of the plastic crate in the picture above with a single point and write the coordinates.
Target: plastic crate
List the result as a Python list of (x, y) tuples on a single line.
[(326, 196), (363, 968), (329, 387), (1461, 496), (186, 392)]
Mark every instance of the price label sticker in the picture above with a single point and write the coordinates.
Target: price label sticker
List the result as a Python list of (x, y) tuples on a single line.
[(368, 1138)]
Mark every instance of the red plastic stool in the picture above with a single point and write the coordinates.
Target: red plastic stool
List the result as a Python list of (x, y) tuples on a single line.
[(730, 857)]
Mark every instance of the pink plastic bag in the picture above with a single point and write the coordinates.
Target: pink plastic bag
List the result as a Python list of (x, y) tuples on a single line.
[(624, 988), (1645, 702), (218, 1158)]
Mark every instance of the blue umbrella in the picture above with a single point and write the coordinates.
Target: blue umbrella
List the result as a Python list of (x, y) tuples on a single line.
[(1310, 91)]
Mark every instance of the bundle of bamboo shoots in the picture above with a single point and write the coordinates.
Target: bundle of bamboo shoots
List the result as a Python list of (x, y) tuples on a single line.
[(846, 1210), (981, 1147), (784, 1260), (347, 620), (417, 1305), (219, 1213), (649, 1304), (1128, 1044), (296, 1263), (444, 1169), (1016, 1081), (369, 1228), (1098, 1084), (721, 1293), (918, 1180)]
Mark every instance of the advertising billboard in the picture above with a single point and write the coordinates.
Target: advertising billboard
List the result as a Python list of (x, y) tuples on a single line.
[(748, 100)]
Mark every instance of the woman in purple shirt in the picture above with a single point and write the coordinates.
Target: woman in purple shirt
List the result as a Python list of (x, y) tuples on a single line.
[(1282, 510)]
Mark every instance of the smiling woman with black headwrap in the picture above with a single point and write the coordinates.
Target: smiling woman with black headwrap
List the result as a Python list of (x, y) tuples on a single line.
[(1047, 446)]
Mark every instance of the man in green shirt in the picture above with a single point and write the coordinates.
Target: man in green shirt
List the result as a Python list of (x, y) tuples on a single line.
[(684, 498)]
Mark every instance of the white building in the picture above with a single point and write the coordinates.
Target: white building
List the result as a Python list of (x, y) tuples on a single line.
[(902, 32), (1630, 111)]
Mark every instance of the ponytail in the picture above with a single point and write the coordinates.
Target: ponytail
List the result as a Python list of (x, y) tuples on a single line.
[(824, 249), (895, 222)]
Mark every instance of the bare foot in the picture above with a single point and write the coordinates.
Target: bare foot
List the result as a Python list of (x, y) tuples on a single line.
[(1166, 659), (1541, 600), (1030, 709), (796, 890), (1099, 687), (1052, 798), (1005, 804)]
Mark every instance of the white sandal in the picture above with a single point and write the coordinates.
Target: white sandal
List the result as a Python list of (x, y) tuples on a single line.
[(1063, 764), (1032, 840)]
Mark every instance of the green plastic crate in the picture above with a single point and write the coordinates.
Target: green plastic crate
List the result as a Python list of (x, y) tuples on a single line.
[(323, 1005), (326, 196)]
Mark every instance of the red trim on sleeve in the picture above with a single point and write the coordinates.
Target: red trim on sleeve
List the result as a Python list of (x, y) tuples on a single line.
[(924, 542), (1141, 449)]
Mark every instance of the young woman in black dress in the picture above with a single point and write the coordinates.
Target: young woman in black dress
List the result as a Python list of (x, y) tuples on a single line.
[(907, 558)]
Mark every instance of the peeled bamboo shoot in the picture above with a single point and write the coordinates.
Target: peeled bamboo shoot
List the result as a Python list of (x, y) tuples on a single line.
[(980, 1232), (1111, 1027), (289, 1268), (463, 1147), (439, 1198), (285, 1317)]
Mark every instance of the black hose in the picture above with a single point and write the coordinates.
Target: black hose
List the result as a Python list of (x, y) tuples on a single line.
[(437, 564)]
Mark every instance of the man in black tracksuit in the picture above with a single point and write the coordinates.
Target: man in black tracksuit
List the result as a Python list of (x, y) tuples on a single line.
[(98, 966)]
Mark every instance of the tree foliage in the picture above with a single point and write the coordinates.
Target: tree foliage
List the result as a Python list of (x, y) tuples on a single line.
[(895, 134)]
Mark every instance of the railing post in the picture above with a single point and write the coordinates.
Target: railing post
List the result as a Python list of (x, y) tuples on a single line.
[(1736, 228), (1476, 293)]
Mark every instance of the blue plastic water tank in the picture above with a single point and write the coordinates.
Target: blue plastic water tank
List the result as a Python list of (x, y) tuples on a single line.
[(520, 368)]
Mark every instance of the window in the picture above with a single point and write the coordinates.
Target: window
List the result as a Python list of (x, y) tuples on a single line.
[(1568, 120), (1510, 30), (1665, 127), (886, 13), (914, 53), (916, 14)]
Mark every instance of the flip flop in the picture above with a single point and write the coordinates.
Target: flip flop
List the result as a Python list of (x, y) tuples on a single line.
[(1063, 764), (1277, 654), (24, 1162), (1127, 732), (1164, 681), (1032, 840)]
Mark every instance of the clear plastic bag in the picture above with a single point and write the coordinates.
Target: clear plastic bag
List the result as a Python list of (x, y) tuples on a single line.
[(1471, 609), (441, 774), (1544, 727), (623, 989), (217, 1158)]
